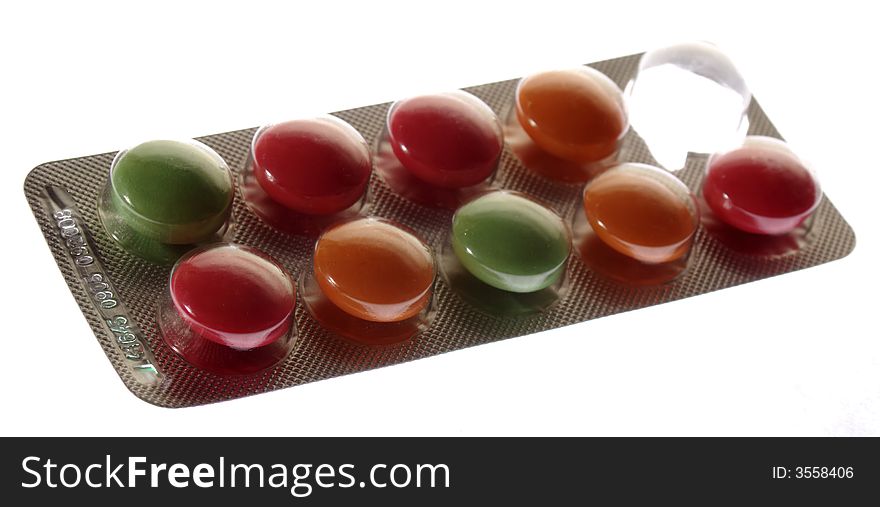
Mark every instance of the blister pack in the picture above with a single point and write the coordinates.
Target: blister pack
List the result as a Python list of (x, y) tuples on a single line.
[(259, 260)]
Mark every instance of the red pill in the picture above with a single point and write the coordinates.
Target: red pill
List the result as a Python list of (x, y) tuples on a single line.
[(450, 140), (233, 296), (761, 187), (315, 166)]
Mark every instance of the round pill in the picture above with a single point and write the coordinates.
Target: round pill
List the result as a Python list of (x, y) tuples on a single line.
[(510, 242), (374, 270), (316, 166), (451, 140), (577, 114), (642, 212), (234, 296), (176, 192), (761, 187)]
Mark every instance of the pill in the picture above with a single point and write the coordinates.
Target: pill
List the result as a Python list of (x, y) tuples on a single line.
[(374, 270), (510, 242), (234, 296), (315, 166), (761, 187), (174, 192), (450, 140), (576, 114), (642, 212)]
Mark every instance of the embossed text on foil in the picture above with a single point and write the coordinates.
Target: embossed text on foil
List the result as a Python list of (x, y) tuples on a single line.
[(79, 246)]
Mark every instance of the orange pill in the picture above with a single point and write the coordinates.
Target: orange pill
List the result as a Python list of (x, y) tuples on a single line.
[(577, 114), (642, 212), (374, 270)]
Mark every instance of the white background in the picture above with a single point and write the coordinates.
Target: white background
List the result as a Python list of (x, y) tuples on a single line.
[(794, 355)]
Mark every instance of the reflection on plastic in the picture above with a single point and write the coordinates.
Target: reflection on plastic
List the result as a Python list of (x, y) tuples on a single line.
[(687, 98)]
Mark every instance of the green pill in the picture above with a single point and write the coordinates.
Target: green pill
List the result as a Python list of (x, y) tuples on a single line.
[(511, 242), (163, 196)]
